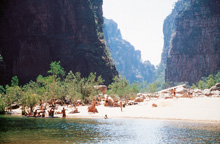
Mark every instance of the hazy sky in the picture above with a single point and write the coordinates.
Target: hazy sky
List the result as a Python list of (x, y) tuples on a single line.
[(141, 23)]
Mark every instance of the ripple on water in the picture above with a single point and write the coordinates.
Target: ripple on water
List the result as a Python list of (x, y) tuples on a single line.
[(37, 130)]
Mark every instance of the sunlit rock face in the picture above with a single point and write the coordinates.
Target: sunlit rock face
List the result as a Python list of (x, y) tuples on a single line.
[(33, 33), (195, 43), (127, 60)]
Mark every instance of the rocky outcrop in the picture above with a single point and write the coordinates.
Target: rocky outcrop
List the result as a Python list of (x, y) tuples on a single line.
[(33, 33), (127, 60), (195, 43), (169, 27)]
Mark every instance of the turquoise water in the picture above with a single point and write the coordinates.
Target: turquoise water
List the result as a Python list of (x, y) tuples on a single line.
[(38, 130)]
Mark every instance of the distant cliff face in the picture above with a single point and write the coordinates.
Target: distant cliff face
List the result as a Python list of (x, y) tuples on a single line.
[(126, 58), (33, 33), (195, 44)]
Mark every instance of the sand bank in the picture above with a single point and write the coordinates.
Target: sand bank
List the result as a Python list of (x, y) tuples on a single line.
[(204, 109), (201, 109)]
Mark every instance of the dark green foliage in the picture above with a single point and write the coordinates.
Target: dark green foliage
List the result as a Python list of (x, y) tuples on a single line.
[(14, 81), (120, 88), (56, 69), (207, 82)]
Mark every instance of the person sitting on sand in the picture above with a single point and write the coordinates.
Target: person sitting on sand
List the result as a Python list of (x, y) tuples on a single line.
[(106, 117), (76, 110), (64, 113), (51, 112)]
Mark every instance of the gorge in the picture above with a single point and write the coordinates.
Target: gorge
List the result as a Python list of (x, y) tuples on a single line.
[(126, 59)]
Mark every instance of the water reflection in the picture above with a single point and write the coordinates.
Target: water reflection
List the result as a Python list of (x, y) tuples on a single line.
[(37, 130)]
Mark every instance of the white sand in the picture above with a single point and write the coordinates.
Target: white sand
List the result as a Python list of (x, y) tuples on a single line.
[(202, 109)]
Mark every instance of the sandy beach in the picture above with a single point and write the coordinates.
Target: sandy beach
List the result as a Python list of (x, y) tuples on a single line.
[(199, 109)]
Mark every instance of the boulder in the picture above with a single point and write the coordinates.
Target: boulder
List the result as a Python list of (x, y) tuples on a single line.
[(102, 88), (93, 109), (215, 93), (184, 95), (139, 100), (154, 105), (216, 87), (59, 102), (206, 92), (14, 106), (181, 89)]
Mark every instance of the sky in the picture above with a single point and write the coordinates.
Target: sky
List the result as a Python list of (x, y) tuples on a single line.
[(141, 23)]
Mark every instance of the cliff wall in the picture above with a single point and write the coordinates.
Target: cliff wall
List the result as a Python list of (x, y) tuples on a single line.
[(195, 43), (127, 60), (33, 33)]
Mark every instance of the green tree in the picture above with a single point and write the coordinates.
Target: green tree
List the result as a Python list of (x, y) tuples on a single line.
[(56, 70), (2, 89), (14, 81), (201, 84), (30, 95), (210, 81), (119, 87), (153, 87), (217, 77), (143, 86), (2, 104), (13, 94)]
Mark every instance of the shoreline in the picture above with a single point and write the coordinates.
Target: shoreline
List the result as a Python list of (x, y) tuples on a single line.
[(201, 109), (147, 118)]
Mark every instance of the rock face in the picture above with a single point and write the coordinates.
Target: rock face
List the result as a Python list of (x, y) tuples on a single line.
[(195, 42), (33, 33), (169, 27), (127, 60)]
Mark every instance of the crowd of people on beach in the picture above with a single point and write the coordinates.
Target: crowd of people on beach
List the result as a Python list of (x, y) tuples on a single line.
[(42, 110)]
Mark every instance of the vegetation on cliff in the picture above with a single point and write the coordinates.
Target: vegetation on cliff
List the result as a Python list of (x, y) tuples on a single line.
[(207, 82)]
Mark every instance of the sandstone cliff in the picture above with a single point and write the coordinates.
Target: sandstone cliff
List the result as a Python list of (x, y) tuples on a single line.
[(127, 60), (169, 26), (195, 43), (33, 33)]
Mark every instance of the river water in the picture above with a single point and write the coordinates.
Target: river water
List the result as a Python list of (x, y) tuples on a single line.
[(22, 130)]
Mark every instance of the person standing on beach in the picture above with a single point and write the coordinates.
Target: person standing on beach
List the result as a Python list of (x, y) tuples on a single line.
[(64, 113), (174, 92), (121, 105), (41, 105)]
